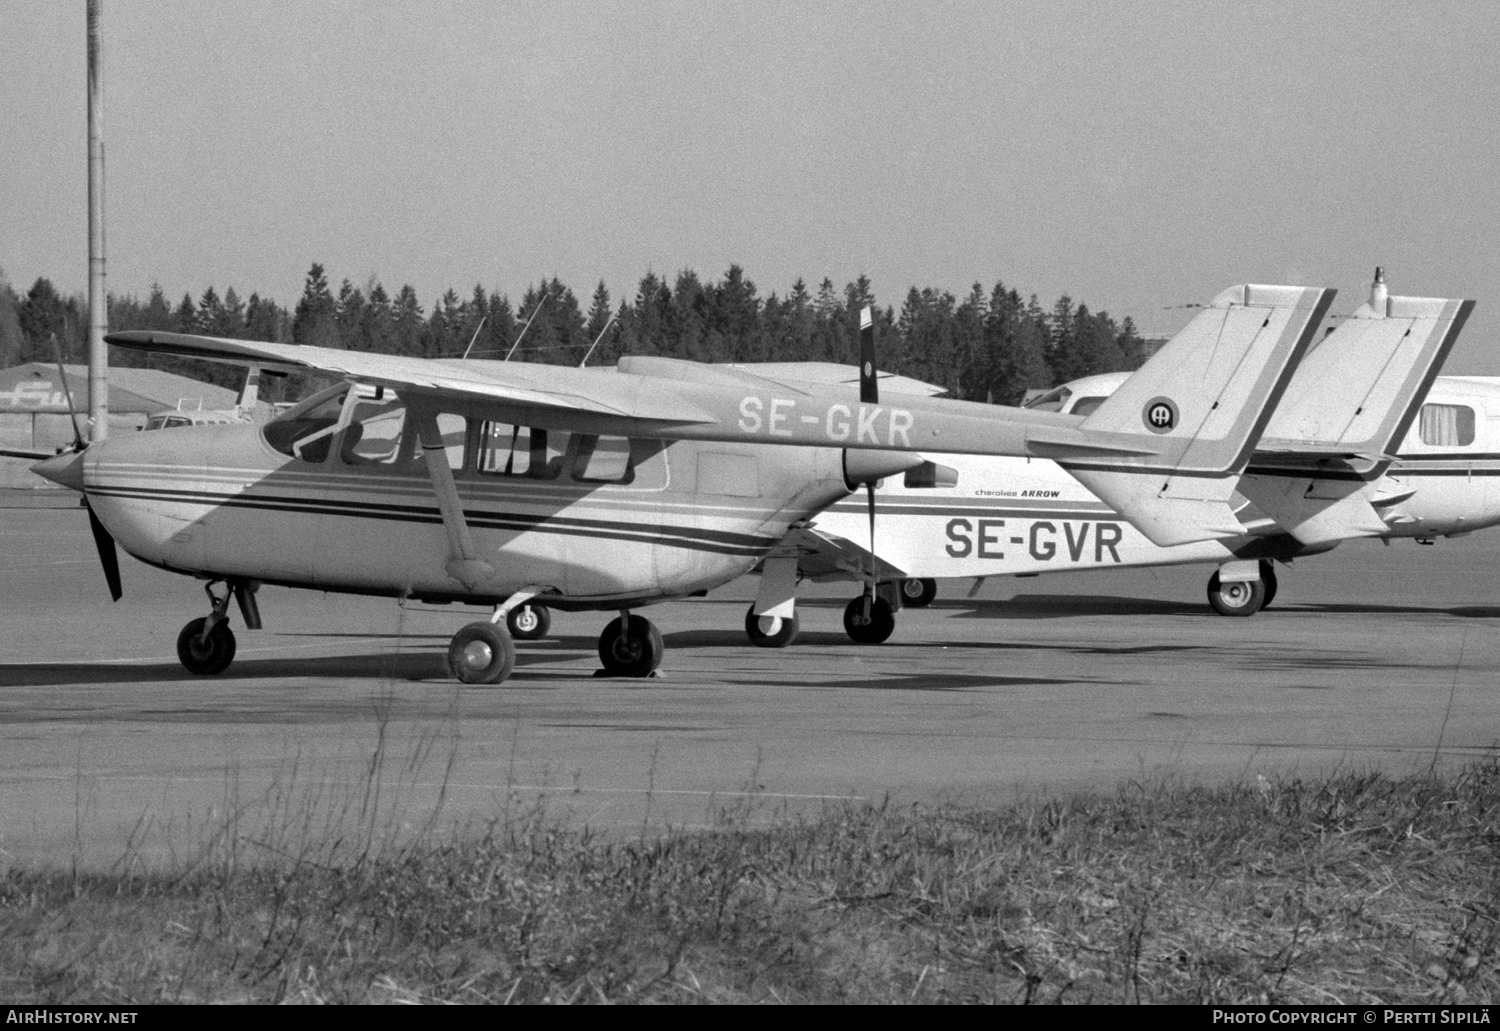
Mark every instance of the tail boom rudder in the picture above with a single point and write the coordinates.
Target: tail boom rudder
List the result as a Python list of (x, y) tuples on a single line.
[(1203, 400)]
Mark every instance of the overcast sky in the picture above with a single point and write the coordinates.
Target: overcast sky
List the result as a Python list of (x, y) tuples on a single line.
[(1138, 156)]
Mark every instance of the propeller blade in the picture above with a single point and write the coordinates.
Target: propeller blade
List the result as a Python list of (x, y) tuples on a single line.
[(869, 390), (869, 393), (62, 377), (109, 557), (870, 586)]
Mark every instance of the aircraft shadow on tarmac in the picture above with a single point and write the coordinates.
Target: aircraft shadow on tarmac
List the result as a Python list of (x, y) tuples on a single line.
[(917, 682), (1462, 611), (420, 663), (820, 639), (1063, 606)]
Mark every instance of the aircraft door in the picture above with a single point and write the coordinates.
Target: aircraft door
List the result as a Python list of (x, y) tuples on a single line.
[(282, 516), (704, 538)]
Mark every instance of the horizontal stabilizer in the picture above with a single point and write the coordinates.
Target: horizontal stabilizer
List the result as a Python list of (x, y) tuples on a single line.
[(1054, 445), (1164, 518), (1316, 511), (1384, 500)]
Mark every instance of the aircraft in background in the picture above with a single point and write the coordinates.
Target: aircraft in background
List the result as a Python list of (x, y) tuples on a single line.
[(596, 488), (1367, 442)]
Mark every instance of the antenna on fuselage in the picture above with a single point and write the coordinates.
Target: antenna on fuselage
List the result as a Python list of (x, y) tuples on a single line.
[(534, 313), (598, 338), (477, 330), (1379, 295)]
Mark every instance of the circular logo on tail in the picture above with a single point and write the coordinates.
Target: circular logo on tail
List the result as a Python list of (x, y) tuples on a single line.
[(1160, 415)]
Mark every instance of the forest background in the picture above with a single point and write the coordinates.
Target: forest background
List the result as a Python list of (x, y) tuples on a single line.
[(990, 346)]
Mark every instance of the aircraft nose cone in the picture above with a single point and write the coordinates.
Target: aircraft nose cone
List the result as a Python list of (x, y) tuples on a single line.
[(65, 469)]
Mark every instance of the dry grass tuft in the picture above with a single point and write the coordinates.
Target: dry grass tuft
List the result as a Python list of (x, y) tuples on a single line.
[(1355, 889)]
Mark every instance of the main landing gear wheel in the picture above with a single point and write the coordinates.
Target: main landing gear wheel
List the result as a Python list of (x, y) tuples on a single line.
[(770, 631), (481, 653), (918, 594), (529, 622), (1240, 598), (869, 629), (1268, 577), (206, 654), (635, 653)]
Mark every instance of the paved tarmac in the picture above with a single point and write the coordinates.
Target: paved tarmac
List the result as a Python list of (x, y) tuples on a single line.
[(1372, 657)]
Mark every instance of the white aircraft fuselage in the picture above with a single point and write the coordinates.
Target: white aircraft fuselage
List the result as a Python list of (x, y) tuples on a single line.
[(1019, 516), (668, 520)]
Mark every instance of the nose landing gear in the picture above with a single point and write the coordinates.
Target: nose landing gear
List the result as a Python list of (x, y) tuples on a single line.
[(206, 645)]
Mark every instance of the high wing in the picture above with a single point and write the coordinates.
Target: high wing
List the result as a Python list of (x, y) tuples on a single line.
[(1352, 401), (1218, 378)]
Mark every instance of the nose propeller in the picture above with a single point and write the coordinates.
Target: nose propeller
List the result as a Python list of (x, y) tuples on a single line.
[(109, 557), (66, 469)]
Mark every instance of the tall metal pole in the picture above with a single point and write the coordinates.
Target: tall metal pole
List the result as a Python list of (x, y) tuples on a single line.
[(98, 368)]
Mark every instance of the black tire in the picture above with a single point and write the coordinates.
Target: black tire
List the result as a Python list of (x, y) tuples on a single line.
[(785, 630), (872, 630), (918, 594), (1268, 577), (206, 656), (481, 653), (529, 622), (1241, 598), (635, 654)]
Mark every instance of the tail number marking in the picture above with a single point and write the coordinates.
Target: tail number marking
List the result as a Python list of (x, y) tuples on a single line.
[(1042, 542), (840, 423)]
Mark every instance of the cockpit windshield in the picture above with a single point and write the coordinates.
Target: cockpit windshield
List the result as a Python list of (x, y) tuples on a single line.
[(306, 429), (1052, 401)]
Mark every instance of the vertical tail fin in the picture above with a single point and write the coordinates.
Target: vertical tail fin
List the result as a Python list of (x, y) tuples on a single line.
[(1350, 404), (1201, 402)]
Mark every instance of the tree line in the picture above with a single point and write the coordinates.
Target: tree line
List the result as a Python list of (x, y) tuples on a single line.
[(991, 345)]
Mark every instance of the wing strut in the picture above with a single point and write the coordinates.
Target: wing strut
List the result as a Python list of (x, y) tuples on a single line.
[(464, 563)]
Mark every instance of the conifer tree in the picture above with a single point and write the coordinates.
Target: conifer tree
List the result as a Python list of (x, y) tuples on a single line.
[(407, 313), (314, 321), (12, 340)]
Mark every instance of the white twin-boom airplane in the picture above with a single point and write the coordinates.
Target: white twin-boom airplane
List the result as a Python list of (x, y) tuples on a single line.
[(612, 488)]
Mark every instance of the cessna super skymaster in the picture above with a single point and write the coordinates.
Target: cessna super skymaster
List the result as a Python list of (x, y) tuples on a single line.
[(1368, 441), (611, 488)]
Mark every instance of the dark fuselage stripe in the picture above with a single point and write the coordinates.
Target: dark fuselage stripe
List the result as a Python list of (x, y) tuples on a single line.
[(678, 536)]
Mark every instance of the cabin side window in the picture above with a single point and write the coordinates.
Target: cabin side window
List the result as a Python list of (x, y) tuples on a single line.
[(509, 450), (1087, 405), (603, 459), (373, 436), (1447, 425), (306, 430)]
